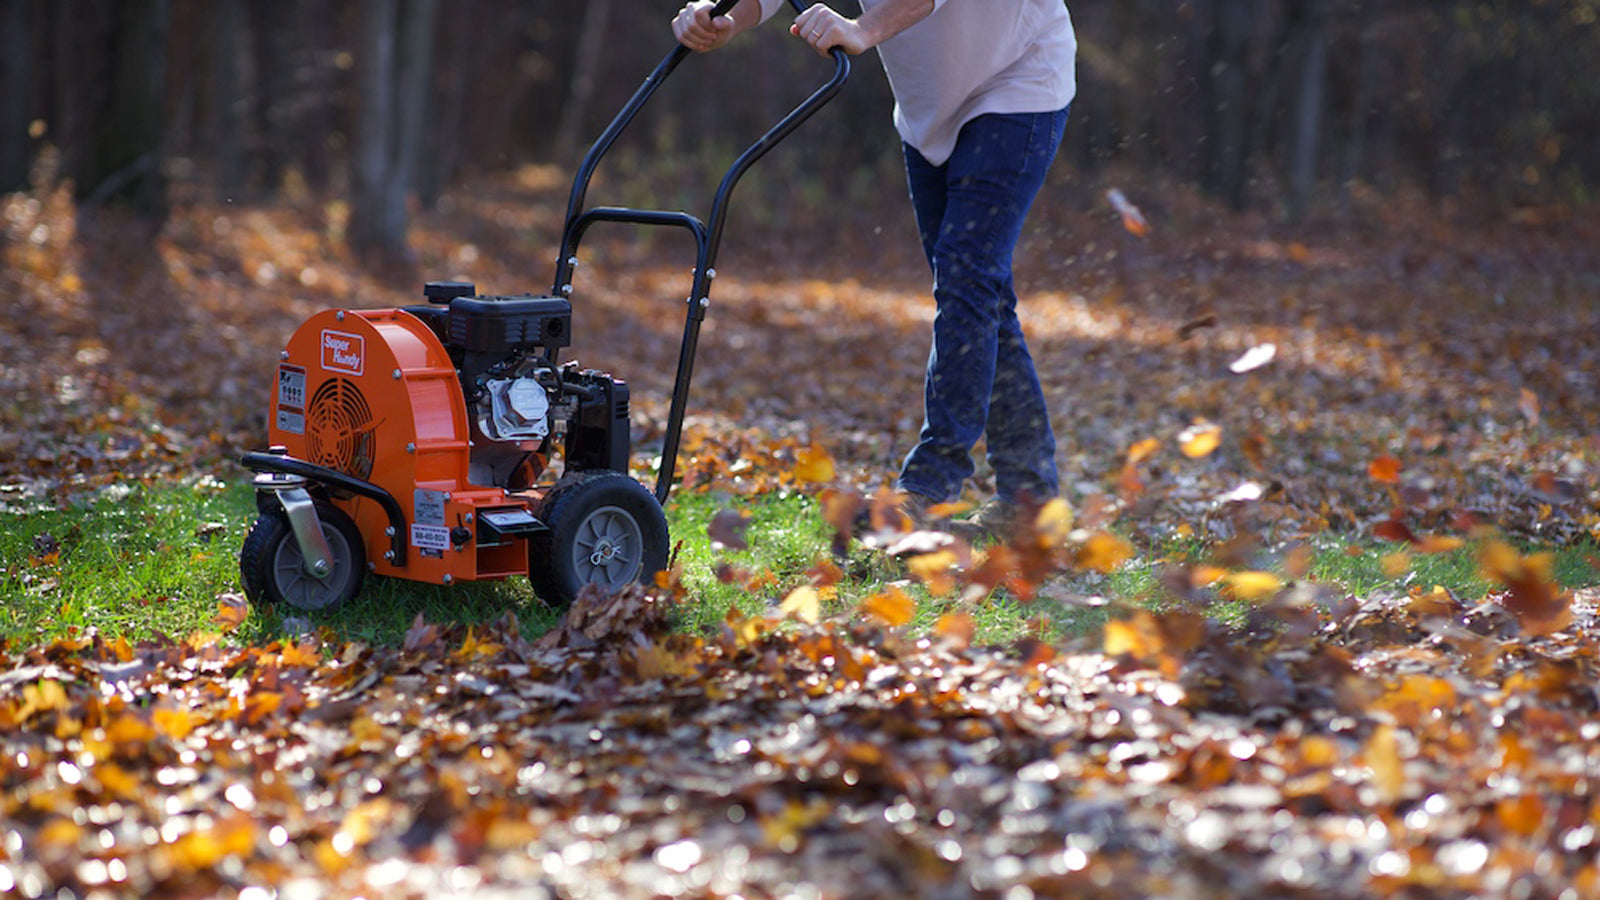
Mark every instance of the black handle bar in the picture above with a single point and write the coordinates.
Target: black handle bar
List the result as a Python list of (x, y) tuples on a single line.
[(707, 236)]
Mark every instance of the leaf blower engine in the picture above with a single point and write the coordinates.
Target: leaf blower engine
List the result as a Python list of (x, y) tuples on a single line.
[(411, 442)]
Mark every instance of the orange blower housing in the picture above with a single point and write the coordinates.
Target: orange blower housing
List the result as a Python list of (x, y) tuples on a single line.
[(414, 443), (374, 394)]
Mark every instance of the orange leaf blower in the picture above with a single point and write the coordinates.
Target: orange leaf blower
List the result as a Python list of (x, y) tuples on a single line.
[(411, 443)]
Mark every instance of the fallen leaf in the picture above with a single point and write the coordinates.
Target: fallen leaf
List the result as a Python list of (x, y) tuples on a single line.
[(1200, 439)]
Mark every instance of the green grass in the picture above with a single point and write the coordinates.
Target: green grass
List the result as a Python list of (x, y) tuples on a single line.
[(152, 559)]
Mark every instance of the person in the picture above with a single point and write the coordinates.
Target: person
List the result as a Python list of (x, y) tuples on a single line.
[(982, 90)]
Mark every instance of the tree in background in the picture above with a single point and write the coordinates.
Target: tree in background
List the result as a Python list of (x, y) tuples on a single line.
[(1292, 106), (393, 66)]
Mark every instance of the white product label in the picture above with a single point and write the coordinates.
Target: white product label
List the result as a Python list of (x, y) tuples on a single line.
[(430, 537)]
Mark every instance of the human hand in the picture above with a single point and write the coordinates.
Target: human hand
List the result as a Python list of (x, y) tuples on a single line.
[(695, 28), (825, 29)]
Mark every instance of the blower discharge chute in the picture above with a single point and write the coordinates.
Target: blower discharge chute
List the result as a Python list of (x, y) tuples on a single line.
[(411, 442)]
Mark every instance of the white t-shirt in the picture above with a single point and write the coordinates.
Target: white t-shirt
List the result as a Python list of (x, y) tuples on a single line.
[(971, 57)]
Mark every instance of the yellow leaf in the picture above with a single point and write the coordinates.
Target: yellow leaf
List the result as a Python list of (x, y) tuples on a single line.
[(1142, 450), (803, 603), (58, 833), (174, 723), (746, 630), (45, 696), (1124, 637), (1318, 750), (116, 779), (933, 570), (1200, 439), (1396, 564), (1103, 552), (128, 728), (1054, 521), (1251, 586), (1440, 544), (1388, 768), (813, 464), (892, 606)]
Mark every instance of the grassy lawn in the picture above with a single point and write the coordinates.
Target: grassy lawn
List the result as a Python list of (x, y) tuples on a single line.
[(153, 559)]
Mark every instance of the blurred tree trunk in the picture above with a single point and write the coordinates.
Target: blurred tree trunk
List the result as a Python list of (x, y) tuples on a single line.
[(121, 159), (591, 43), (228, 25), (16, 91), (1306, 138), (1230, 100), (392, 75)]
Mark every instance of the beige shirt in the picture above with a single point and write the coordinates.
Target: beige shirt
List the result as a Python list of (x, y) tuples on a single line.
[(971, 57)]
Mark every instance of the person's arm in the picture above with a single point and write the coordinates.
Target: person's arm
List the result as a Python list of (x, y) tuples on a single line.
[(694, 27), (825, 29)]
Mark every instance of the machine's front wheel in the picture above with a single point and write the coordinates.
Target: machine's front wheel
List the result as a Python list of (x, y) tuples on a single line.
[(272, 568), (605, 529)]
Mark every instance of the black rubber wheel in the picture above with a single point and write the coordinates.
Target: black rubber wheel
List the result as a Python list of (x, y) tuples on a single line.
[(270, 562), (605, 529)]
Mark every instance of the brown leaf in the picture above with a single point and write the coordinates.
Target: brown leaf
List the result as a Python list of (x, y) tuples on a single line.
[(1539, 605), (727, 529)]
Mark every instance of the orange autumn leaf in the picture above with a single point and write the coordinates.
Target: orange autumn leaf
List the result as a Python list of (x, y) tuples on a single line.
[(1439, 544), (175, 723), (958, 628), (1384, 469), (1103, 552), (1142, 450), (302, 656), (813, 465), (1200, 439), (1130, 637), (892, 606), (232, 610), (934, 570)]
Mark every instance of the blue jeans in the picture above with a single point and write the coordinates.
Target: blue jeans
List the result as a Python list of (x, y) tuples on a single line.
[(980, 378)]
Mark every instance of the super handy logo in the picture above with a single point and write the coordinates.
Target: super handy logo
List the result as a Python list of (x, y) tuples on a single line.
[(342, 352)]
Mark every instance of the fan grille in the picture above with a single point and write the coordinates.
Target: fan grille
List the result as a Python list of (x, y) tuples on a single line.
[(339, 428)]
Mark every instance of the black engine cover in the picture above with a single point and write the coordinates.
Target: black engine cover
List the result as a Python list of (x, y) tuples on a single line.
[(499, 325)]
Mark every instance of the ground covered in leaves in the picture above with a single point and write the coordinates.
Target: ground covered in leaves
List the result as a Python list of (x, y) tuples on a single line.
[(1408, 370), (1402, 750)]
